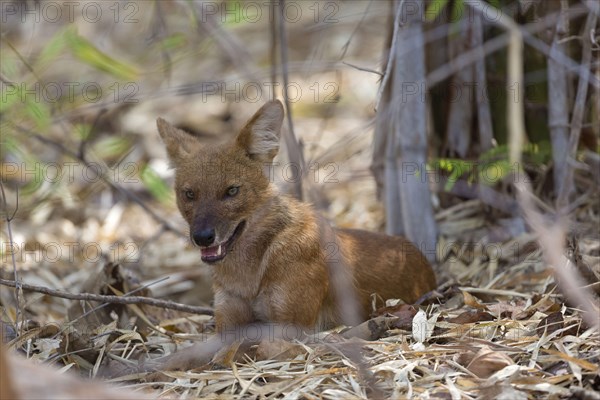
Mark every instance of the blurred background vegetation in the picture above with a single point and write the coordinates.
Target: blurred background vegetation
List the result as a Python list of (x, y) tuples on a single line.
[(82, 85), (405, 117)]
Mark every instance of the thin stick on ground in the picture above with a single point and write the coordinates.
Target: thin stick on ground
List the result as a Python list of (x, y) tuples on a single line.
[(112, 299)]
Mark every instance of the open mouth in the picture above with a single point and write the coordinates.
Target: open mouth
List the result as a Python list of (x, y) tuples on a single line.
[(217, 252)]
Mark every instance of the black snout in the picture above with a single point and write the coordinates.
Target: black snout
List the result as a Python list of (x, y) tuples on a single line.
[(204, 237)]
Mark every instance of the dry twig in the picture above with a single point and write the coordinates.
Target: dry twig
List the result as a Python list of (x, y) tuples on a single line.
[(8, 220), (112, 299), (126, 193)]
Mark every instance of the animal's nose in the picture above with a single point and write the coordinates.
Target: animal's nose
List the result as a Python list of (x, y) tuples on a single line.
[(204, 237)]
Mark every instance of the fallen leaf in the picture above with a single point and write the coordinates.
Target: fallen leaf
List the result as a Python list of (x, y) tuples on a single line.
[(469, 317), (485, 362), (504, 309), (550, 324), (399, 310), (471, 301), (419, 327)]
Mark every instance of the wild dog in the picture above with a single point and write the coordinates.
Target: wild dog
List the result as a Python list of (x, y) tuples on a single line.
[(269, 262)]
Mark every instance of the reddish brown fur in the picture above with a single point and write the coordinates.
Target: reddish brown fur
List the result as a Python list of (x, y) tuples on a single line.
[(6, 381), (26, 379), (277, 269)]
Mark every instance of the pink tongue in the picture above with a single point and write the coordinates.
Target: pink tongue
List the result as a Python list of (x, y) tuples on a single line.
[(213, 251)]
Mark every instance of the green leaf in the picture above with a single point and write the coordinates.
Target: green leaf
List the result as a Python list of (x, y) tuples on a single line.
[(495, 152), (495, 3), (89, 54), (82, 130), (110, 147), (494, 172), (7, 64), (458, 169), (173, 42), (236, 13), (36, 182), (539, 153), (155, 184), (458, 9), (51, 50), (455, 168), (39, 113), (434, 9), (10, 96), (29, 175)]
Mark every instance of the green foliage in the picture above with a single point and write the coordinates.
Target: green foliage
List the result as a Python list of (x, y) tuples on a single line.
[(22, 105), (9, 98), (111, 146), (30, 103), (434, 9), (34, 173), (52, 50), (156, 185), (458, 9), (173, 42), (492, 166), (237, 13), (39, 112), (89, 54), (82, 131)]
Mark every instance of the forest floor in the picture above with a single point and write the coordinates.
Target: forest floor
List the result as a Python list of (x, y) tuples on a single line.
[(497, 326)]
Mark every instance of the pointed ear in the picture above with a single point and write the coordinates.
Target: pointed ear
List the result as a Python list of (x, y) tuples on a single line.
[(260, 136), (180, 144)]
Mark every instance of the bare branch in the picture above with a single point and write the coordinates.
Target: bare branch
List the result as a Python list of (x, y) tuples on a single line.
[(577, 116), (126, 193), (8, 219), (388, 65), (514, 106), (363, 68), (552, 241), (294, 148), (558, 109), (273, 49), (346, 45), (231, 46), (112, 299), (527, 31)]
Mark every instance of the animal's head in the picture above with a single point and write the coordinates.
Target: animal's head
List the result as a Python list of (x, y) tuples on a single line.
[(219, 187)]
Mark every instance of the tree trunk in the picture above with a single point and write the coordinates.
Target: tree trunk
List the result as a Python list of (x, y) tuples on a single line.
[(566, 187), (406, 177), (461, 103), (482, 103), (558, 114)]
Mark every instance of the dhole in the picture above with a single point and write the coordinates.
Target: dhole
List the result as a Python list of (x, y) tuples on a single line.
[(266, 249)]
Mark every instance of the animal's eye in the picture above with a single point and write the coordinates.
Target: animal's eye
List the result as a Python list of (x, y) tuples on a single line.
[(189, 194), (233, 190)]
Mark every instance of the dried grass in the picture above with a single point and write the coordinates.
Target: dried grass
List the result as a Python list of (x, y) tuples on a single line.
[(498, 329)]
